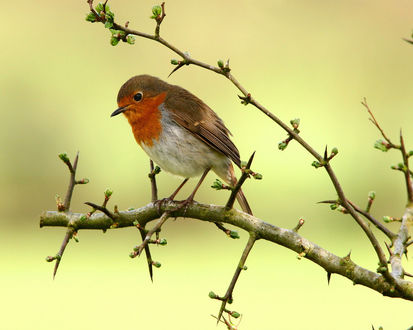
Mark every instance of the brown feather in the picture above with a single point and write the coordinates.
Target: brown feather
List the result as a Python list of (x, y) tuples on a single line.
[(199, 119)]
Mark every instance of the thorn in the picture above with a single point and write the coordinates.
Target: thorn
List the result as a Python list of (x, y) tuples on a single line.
[(180, 65), (328, 278), (325, 153)]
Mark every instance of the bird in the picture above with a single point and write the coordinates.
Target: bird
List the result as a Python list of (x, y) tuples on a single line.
[(179, 132)]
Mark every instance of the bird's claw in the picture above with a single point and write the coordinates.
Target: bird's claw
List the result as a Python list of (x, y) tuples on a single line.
[(160, 202)]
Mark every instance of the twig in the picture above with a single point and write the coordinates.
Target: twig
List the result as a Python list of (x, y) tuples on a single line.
[(240, 267), (406, 171), (375, 123), (59, 255), (299, 225), (154, 188), (374, 221), (145, 241), (245, 174), (228, 232)]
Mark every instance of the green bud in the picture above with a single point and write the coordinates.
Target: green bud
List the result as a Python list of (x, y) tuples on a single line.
[(136, 248), (333, 206), (108, 193), (132, 255), (233, 234), (64, 157), (400, 166), (334, 151), (282, 145), (316, 164), (245, 268), (83, 218), (381, 269), (230, 301), (212, 295), (156, 170), (372, 195), (387, 219), (50, 258), (109, 15), (174, 61), (244, 163), (381, 145), (220, 64), (76, 239), (410, 153), (163, 241), (295, 122), (217, 184), (157, 264), (235, 314), (131, 209), (257, 176), (91, 17), (393, 167), (136, 222), (99, 7), (114, 41), (156, 11), (58, 257), (130, 39), (108, 24)]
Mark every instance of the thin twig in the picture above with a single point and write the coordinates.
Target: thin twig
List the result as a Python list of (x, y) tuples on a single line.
[(245, 174), (240, 267), (72, 182), (374, 221), (59, 256), (375, 123), (154, 188), (147, 238), (406, 171)]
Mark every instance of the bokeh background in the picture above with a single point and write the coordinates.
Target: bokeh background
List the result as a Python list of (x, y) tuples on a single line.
[(309, 59)]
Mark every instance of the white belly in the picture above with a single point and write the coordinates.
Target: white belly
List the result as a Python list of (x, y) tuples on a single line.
[(179, 152)]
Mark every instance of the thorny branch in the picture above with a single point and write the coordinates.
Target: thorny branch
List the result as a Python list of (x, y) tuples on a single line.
[(288, 238), (248, 99), (390, 284)]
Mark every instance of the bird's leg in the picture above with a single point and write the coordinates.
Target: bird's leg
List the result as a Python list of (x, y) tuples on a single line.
[(178, 189), (190, 198), (159, 203)]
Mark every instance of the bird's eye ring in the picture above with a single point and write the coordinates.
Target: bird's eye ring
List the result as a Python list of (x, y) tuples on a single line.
[(138, 96)]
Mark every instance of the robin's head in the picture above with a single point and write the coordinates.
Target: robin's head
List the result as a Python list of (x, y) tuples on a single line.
[(140, 93)]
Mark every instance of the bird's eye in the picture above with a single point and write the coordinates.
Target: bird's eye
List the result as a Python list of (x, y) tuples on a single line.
[(138, 96)]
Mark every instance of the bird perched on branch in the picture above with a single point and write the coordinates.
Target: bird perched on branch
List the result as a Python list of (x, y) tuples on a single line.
[(179, 132)]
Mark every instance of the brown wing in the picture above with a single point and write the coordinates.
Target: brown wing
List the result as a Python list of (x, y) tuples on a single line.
[(194, 115)]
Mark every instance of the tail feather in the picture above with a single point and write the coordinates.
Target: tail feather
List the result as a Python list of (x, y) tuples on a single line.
[(242, 200)]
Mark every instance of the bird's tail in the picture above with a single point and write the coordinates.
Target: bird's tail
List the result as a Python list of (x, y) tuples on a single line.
[(242, 200)]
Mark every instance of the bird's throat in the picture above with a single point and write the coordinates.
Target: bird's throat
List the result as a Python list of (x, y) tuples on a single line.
[(146, 120)]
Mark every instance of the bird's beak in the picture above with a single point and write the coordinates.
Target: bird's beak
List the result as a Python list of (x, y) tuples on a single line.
[(119, 110)]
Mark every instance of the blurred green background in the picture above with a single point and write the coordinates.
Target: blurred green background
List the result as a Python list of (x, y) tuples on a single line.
[(309, 59)]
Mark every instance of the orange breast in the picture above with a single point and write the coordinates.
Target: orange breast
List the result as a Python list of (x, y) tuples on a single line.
[(145, 119)]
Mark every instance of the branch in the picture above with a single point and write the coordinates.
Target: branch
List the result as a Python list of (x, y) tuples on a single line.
[(247, 99), (263, 230)]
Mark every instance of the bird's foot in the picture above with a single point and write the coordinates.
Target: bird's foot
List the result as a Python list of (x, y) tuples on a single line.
[(161, 202), (184, 204)]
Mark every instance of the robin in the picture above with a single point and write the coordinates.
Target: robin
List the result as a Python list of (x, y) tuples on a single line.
[(179, 132)]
